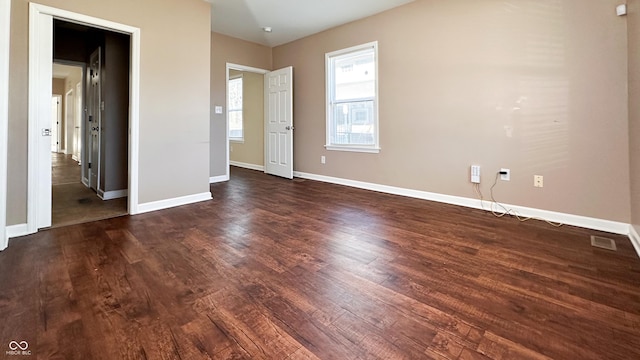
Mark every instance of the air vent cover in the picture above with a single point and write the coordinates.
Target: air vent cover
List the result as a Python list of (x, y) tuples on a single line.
[(603, 242)]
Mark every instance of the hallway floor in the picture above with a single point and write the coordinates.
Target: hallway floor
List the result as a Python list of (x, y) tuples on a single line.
[(74, 203)]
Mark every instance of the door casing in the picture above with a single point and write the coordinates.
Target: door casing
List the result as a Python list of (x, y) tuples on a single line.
[(40, 64)]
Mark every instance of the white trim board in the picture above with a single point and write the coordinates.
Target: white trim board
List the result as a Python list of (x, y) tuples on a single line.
[(169, 203), (635, 238), (569, 219), (113, 194), (42, 34), (218, 179), (247, 165), (5, 31), (14, 231)]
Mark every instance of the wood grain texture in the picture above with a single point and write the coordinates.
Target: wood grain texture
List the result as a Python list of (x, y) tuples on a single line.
[(279, 269)]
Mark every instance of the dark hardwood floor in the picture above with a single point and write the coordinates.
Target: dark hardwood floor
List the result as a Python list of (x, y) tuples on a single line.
[(279, 269)]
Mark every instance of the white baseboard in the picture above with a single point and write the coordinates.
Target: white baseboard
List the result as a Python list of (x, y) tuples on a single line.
[(114, 194), (569, 219), (169, 203), (247, 166), (15, 231), (74, 158), (635, 238), (217, 179)]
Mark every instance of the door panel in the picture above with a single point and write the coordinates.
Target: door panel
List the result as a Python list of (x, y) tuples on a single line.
[(279, 122)]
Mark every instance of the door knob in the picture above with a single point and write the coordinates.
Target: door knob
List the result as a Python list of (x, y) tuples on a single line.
[(289, 128)]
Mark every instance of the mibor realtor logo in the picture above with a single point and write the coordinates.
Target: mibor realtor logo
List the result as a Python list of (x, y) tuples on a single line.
[(18, 348)]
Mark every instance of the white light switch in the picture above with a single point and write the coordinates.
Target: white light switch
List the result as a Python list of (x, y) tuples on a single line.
[(218, 109)]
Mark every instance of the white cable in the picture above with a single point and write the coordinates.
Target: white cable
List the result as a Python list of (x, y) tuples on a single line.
[(505, 210)]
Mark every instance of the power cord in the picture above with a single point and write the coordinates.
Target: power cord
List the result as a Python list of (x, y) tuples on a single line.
[(506, 211)]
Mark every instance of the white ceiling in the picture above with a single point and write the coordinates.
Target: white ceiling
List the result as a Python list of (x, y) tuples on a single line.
[(289, 19)]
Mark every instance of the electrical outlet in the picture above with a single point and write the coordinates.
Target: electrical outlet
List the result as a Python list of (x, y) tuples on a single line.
[(475, 174), (507, 176), (323, 159), (538, 181)]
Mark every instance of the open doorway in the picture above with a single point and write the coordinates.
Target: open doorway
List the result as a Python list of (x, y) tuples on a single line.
[(277, 120), (89, 170), (245, 116)]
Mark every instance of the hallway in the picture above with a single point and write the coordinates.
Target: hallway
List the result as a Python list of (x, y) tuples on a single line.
[(74, 203)]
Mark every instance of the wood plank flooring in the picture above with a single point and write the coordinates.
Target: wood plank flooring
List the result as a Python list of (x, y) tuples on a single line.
[(279, 269), (72, 202)]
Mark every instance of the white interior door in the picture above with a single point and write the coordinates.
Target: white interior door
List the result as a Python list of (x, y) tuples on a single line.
[(279, 122)]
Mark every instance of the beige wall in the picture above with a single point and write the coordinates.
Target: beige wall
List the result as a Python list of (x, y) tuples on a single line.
[(251, 150), (225, 49), (57, 86), (633, 19), (174, 95), (535, 86)]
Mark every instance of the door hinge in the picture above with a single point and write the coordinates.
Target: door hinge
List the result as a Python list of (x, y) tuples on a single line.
[(89, 166)]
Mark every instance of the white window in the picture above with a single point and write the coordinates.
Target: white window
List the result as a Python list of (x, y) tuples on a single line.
[(236, 131), (352, 99)]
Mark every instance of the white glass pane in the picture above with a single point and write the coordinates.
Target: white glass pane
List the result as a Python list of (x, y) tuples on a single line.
[(235, 124), (353, 123), (235, 94), (355, 75)]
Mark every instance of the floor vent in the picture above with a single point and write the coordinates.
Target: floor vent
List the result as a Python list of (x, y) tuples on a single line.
[(604, 243)]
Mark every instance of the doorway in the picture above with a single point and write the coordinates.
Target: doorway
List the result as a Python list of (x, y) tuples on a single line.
[(41, 54), (245, 116), (277, 120), (72, 201)]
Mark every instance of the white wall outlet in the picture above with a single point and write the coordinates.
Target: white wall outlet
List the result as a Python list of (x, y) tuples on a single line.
[(218, 109), (538, 181), (503, 176), (475, 174), (323, 159)]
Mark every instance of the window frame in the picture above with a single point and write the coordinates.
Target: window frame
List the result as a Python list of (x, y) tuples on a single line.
[(229, 110), (330, 60)]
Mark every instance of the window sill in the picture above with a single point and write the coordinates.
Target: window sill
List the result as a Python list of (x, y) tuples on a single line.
[(239, 141), (371, 150)]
